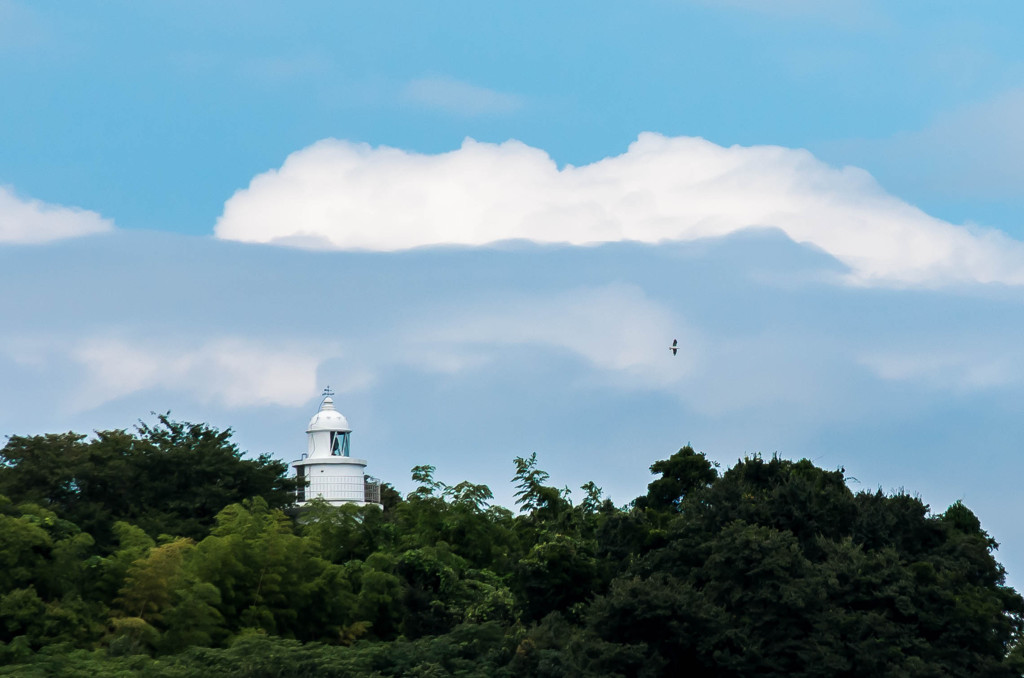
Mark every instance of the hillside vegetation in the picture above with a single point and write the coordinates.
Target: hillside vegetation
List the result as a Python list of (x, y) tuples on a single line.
[(164, 552)]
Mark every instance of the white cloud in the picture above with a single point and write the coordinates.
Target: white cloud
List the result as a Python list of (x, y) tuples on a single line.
[(619, 333), (615, 328), (231, 372), (342, 195), (948, 369), (975, 151), (33, 221), (454, 96)]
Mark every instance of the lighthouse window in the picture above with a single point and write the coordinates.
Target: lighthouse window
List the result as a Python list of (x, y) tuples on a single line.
[(339, 444)]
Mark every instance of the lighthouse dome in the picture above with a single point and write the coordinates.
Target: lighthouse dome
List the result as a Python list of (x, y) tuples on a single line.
[(328, 418)]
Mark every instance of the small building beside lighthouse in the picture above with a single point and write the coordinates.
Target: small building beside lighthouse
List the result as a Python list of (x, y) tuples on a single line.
[(328, 470)]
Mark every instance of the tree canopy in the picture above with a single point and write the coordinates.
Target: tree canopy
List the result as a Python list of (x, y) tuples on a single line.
[(168, 478), (164, 552)]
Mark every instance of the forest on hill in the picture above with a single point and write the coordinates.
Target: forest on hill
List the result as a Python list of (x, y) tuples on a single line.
[(164, 551)]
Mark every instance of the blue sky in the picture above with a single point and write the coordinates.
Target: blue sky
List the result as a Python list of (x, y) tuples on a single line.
[(483, 225)]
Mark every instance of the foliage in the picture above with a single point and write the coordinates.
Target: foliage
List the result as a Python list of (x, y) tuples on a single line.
[(168, 478), (163, 553), (681, 474)]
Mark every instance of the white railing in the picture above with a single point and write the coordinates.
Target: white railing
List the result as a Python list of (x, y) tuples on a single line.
[(339, 489), (371, 490)]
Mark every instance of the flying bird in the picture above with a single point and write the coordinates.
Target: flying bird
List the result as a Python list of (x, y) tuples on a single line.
[(674, 347)]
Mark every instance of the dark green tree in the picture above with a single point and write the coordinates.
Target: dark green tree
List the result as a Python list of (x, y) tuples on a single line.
[(168, 478), (681, 474)]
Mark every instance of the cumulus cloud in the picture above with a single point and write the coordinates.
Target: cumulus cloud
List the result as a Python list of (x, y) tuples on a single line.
[(230, 371), (975, 151), (615, 329), (455, 96), (33, 221), (343, 195)]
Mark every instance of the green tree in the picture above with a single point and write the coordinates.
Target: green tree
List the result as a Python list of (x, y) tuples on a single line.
[(167, 478), (270, 578), (681, 474)]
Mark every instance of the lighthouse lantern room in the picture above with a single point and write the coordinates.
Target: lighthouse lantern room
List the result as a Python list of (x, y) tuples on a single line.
[(328, 470)]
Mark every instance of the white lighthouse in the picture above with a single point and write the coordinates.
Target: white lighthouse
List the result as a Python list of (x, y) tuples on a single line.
[(327, 470)]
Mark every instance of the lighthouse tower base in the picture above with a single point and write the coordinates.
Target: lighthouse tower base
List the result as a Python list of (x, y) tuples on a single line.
[(336, 480)]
